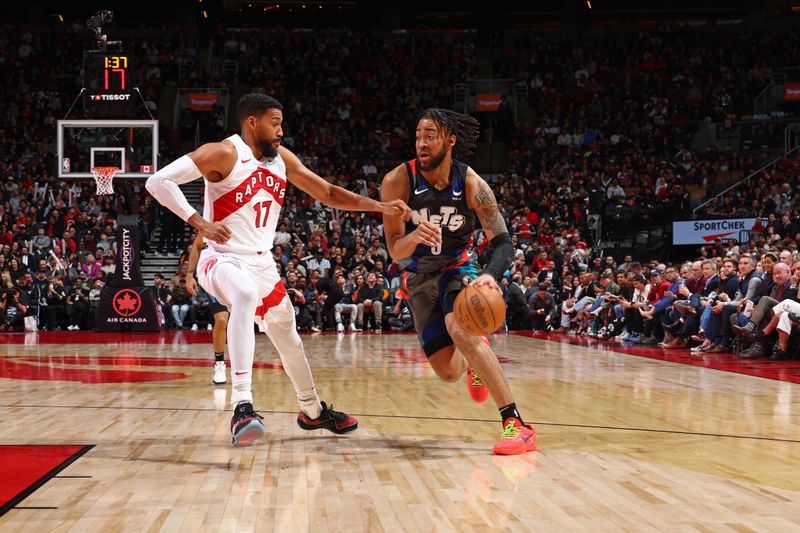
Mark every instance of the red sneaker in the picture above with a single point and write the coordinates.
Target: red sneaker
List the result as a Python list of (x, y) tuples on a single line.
[(516, 439), (334, 421), (477, 390)]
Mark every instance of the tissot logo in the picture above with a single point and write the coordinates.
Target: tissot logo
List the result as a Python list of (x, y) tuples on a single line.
[(109, 97), (447, 217)]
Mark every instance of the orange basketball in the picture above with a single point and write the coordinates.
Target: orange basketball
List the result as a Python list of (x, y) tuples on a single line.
[(480, 309)]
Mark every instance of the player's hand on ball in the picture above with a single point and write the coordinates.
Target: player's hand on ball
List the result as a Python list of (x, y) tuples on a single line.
[(428, 234), (395, 207), (488, 280), (217, 232)]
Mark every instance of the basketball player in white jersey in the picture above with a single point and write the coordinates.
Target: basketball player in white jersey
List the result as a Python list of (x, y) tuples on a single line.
[(246, 178)]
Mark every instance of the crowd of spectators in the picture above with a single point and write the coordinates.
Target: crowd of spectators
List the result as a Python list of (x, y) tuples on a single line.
[(745, 301), (607, 127)]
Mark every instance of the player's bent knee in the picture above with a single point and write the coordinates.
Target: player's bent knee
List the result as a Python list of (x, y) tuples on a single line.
[(245, 296), (447, 374), (468, 344), (442, 364), (461, 338)]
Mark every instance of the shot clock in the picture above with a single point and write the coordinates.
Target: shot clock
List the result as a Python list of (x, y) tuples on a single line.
[(108, 80)]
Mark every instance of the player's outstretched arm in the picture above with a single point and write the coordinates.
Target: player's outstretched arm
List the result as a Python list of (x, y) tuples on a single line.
[(212, 160), (333, 195), (395, 188), (481, 199)]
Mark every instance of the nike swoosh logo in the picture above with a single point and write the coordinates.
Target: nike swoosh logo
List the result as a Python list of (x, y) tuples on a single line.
[(246, 160), (419, 191), (526, 438), (238, 373)]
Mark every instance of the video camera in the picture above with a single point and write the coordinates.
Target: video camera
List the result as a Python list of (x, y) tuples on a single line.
[(96, 22)]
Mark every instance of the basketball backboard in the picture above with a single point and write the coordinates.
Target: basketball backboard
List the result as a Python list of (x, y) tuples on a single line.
[(131, 145)]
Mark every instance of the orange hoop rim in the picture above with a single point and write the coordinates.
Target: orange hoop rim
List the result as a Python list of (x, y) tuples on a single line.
[(105, 171)]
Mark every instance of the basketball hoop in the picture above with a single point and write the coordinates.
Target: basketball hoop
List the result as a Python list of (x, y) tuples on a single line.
[(103, 176)]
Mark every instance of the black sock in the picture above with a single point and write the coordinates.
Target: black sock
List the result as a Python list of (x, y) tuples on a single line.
[(510, 411), (219, 356)]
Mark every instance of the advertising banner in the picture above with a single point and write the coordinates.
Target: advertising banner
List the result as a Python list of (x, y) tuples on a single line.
[(791, 91), (202, 101), (125, 303), (487, 101), (706, 231)]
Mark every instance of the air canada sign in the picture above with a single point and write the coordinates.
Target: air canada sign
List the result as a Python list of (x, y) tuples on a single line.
[(707, 231), (125, 303)]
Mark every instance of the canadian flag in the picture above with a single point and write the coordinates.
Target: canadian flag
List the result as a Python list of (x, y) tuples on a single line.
[(146, 169)]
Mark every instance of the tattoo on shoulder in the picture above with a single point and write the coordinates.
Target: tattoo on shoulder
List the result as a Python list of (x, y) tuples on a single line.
[(485, 197), (488, 213)]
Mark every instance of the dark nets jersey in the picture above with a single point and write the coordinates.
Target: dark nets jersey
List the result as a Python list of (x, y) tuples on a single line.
[(446, 208)]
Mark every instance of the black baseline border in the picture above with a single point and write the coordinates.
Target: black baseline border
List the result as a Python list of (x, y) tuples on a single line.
[(30, 489)]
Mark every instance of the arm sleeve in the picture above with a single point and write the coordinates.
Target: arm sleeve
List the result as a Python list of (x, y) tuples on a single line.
[(502, 255), (163, 185)]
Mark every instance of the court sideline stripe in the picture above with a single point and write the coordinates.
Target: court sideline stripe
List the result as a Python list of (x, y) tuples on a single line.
[(408, 417)]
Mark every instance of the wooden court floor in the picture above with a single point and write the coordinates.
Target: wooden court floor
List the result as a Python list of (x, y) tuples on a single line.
[(104, 432)]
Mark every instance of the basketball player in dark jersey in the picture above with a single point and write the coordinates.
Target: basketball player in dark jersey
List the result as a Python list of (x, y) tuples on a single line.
[(435, 248), (219, 313)]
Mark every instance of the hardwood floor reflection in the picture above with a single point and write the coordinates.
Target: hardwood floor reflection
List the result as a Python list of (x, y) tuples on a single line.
[(626, 442)]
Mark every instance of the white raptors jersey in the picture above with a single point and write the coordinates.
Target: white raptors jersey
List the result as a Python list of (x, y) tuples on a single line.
[(248, 201)]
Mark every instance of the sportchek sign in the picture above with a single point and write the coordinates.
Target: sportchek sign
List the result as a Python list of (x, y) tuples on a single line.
[(706, 231)]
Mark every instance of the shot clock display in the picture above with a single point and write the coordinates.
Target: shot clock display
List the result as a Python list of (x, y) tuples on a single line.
[(108, 80)]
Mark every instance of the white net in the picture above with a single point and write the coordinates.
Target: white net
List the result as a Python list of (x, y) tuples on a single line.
[(103, 176)]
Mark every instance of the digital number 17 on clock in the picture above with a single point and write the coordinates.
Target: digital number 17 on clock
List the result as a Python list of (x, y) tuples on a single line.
[(115, 64)]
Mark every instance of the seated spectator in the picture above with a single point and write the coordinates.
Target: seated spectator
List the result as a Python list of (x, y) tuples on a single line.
[(163, 297), (518, 315), (12, 310), (181, 300), (78, 303), (763, 312), (345, 305), (200, 309), (370, 303), (295, 288), (56, 299), (401, 318), (41, 244), (543, 308)]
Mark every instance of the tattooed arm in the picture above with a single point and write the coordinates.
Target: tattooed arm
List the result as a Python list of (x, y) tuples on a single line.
[(480, 199)]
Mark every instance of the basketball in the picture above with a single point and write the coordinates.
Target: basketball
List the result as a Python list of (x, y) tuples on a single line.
[(480, 309)]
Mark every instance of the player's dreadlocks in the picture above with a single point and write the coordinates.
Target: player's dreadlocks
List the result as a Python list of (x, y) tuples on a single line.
[(464, 127)]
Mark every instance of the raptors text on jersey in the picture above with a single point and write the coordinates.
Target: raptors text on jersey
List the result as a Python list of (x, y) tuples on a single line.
[(248, 201)]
